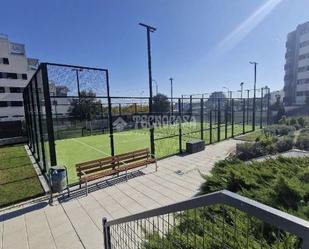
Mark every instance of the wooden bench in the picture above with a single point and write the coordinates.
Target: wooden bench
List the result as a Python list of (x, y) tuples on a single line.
[(96, 169)]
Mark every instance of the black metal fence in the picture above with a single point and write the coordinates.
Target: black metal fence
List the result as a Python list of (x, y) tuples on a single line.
[(219, 220), (67, 105)]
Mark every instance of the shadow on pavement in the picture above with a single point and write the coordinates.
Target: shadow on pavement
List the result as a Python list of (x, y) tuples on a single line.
[(77, 193), (22, 211)]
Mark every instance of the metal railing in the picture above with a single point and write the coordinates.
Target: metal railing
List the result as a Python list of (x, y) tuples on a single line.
[(219, 220)]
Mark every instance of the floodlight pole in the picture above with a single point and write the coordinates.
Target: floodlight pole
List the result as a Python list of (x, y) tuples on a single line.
[(254, 94), (171, 79), (241, 89), (150, 29)]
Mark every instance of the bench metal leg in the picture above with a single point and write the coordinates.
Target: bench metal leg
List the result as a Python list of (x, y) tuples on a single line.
[(86, 187)]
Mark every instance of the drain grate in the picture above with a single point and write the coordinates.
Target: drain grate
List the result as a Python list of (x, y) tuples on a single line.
[(179, 172)]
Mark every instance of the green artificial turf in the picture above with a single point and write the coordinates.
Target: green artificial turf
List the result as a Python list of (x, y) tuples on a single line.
[(18, 179), (76, 150)]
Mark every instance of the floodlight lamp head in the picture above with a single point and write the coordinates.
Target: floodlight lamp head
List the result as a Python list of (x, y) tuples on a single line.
[(150, 28)]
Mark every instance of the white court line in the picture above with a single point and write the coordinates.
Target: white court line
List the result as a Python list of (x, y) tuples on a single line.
[(94, 148)]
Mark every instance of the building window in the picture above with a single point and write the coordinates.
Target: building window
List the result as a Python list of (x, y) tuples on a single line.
[(303, 81), (16, 103), (4, 61), (303, 69), (3, 103), (303, 56), (11, 75), (2, 90), (4, 75), (302, 93), (304, 44), (15, 90)]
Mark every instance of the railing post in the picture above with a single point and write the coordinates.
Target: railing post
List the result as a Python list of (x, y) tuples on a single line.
[(305, 242), (107, 235)]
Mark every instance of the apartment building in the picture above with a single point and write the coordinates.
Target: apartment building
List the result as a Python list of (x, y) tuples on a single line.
[(296, 79), (15, 71)]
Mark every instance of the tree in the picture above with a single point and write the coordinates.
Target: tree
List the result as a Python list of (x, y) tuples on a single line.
[(62, 90), (280, 113), (86, 107), (160, 103)]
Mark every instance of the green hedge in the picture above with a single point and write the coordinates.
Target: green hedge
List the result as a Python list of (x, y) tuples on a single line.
[(282, 183)]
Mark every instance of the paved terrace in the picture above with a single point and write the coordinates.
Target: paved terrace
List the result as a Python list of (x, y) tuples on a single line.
[(76, 223)]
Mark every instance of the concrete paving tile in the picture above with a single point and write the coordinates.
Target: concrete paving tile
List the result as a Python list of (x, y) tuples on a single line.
[(68, 240)]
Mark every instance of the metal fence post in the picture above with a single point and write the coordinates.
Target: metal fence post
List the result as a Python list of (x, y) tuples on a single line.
[(151, 130), (40, 123), (180, 121), (202, 119), (210, 126), (190, 107), (219, 122), (36, 139), (253, 110), (232, 117), (119, 106), (135, 107), (248, 104), (49, 117), (243, 116), (261, 113), (268, 105), (107, 235), (226, 119), (110, 116)]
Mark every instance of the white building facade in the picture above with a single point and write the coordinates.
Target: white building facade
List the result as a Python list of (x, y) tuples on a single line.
[(15, 71), (296, 80)]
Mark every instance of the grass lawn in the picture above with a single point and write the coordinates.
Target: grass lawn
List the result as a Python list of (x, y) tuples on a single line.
[(18, 179), (75, 150)]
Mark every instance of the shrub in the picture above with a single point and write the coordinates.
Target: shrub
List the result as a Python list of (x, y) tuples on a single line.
[(293, 122), (288, 193), (301, 121), (282, 183), (278, 130), (303, 140), (281, 117), (285, 144)]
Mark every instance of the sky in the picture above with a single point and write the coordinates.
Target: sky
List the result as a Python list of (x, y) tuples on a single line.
[(204, 45)]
